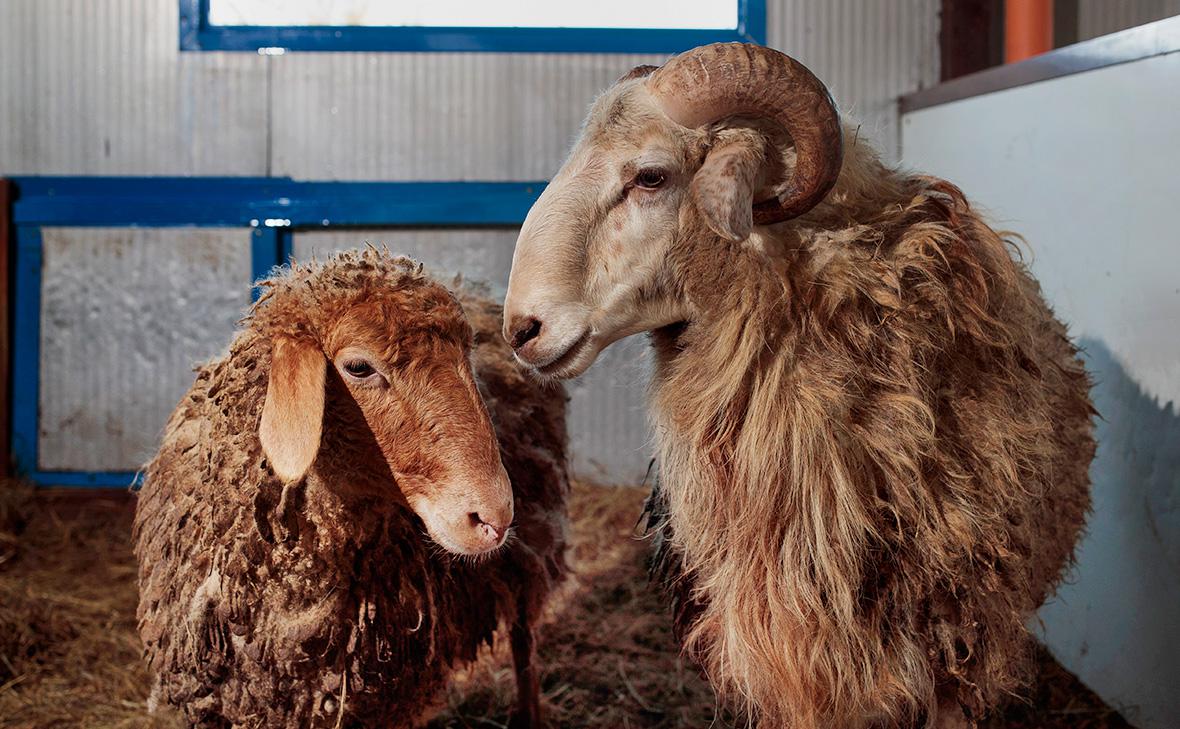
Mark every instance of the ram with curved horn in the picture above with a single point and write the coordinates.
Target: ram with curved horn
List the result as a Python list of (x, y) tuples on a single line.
[(873, 435)]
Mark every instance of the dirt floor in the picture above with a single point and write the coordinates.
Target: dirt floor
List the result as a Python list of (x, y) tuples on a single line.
[(69, 655)]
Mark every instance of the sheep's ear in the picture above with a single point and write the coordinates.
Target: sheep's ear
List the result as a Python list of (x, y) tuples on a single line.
[(724, 187), (293, 415)]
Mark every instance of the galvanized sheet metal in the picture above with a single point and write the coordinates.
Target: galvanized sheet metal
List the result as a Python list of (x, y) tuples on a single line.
[(433, 116), (609, 432), (479, 254), (868, 53), (448, 116), (125, 314), (1100, 17), (100, 88), (609, 436)]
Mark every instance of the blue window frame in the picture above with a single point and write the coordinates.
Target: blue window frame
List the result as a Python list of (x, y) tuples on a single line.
[(198, 33)]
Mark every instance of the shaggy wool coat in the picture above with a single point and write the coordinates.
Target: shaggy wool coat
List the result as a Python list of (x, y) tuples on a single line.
[(874, 458), (322, 606)]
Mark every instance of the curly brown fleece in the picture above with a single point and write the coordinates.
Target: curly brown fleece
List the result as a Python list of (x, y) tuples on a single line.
[(323, 604), (892, 388)]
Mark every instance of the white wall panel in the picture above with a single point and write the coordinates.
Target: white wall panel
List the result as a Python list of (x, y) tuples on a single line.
[(100, 88), (125, 315), (609, 437)]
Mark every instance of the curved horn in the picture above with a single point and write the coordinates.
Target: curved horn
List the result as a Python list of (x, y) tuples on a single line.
[(712, 82)]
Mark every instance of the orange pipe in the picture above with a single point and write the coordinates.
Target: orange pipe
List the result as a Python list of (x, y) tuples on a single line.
[(1028, 29)]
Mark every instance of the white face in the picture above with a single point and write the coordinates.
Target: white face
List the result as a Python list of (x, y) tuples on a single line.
[(590, 265), (667, 166)]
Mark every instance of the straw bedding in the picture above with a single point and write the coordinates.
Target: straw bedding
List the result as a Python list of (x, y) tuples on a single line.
[(70, 657)]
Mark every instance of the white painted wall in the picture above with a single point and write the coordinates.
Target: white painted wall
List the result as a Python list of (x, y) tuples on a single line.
[(1087, 168)]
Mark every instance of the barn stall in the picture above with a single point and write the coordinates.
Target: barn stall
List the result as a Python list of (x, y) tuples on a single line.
[(162, 157)]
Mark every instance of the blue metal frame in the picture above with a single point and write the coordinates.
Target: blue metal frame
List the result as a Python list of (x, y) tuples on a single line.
[(196, 34), (273, 207)]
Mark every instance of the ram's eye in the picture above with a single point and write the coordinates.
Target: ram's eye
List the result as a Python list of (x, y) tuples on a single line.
[(359, 369), (650, 179)]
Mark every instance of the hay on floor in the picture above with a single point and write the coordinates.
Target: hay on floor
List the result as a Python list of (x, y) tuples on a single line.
[(69, 655)]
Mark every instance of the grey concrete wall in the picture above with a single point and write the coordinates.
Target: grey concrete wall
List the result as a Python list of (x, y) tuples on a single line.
[(1085, 168), (125, 314)]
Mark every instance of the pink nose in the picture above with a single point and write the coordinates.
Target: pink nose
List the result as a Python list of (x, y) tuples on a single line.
[(521, 330), (490, 531)]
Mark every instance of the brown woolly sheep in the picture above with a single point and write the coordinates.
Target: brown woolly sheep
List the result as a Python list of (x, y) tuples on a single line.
[(285, 580), (873, 435)]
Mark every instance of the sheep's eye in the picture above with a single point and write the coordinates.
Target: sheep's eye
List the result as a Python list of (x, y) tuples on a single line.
[(650, 179), (359, 369)]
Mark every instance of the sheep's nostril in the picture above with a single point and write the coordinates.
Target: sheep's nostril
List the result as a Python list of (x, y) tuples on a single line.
[(485, 526), (524, 330)]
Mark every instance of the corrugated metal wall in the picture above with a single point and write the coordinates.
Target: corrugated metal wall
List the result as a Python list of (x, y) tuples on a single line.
[(436, 116), (868, 53), (100, 88), (1099, 17), (483, 254), (92, 88)]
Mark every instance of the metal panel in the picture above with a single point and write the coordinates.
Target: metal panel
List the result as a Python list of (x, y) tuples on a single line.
[(609, 433), (100, 88), (444, 116), (608, 426), (512, 116), (869, 53), (483, 255), (1100, 17), (125, 314)]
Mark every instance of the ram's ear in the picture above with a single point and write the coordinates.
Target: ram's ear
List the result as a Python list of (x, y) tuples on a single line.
[(293, 415), (724, 186)]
